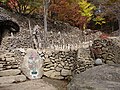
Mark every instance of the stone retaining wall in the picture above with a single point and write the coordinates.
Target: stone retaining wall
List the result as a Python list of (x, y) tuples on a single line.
[(8, 61), (63, 64), (107, 49), (57, 64), (9, 69)]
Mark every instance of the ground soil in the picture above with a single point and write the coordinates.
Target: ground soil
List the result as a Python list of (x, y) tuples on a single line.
[(39, 84), (59, 84)]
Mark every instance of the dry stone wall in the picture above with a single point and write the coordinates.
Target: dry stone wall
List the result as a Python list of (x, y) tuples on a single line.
[(83, 61), (9, 69), (63, 64), (107, 49), (57, 64), (8, 61)]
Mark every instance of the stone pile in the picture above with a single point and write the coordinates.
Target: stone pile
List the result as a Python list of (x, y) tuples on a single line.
[(63, 64), (8, 61), (20, 40), (9, 69), (107, 50), (59, 64), (83, 61)]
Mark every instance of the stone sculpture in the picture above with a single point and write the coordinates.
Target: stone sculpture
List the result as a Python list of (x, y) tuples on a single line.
[(32, 64)]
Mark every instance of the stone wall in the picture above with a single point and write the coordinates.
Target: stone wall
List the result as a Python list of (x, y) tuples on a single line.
[(57, 64), (8, 61), (9, 69), (62, 64), (107, 49)]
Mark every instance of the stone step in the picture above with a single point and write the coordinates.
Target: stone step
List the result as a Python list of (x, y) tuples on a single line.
[(12, 79), (11, 72)]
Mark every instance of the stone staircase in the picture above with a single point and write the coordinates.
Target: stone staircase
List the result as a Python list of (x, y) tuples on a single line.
[(9, 69)]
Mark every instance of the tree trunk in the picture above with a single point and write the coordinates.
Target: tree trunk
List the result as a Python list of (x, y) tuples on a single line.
[(45, 22)]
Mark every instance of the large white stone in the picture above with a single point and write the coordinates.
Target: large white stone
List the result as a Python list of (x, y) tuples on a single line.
[(11, 72), (12, 79), (32, 64), (98, 61)]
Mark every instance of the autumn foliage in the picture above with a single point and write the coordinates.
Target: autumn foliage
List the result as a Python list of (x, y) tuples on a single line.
[(22, 6), (67, 12)]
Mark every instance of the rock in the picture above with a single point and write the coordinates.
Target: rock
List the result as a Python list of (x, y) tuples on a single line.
[(46, 69), (10, 59), (14, 66), (8, 67), (56, 75), (11, 72), (1, 69), (67, 67), (58, 69), (70, 65), (62, 63), (2, 57), (52, 68), (32, 64), (109, 62), (98, 61), (104, 77), (50, 65), (8, 55), (12, 79), (65, 72), (59, 65), (23, 54), (21, 50), (1, 65), (47, 60), (49, 73), (2, 62)]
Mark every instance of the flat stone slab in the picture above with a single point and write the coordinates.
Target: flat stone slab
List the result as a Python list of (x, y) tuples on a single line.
[(32, 64), (12, 79), (11, 72)]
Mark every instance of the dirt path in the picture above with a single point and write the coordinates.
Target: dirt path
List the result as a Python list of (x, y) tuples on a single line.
[(40, 84), (59, 84)]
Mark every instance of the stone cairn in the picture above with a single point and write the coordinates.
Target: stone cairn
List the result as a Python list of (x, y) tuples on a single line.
[(9, 69), (83, 61), (106, 49)]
